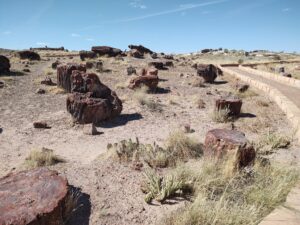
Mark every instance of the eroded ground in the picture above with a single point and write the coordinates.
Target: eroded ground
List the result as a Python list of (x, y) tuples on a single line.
[(114, 188)]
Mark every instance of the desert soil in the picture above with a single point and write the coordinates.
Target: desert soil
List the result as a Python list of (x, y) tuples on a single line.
[(111, 190)]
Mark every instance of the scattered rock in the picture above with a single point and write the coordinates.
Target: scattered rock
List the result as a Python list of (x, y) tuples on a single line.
[(64, 73), (143, 50), (281, 70), (157, 65), (240, 87), (209, 72), (28, 55), (222, 142), (48, 81), (154, 55), (89, 65), (136, 54), (169, 57), (2, 84), (90, 129), (169, 64), (26, 70), (131, 70), (55, 64), (106, 50), (231, 103), (41, 125), (148, 78), (36, 196), (206, 50), (40, 91), (286, 75), (4, 64), (87, 55)]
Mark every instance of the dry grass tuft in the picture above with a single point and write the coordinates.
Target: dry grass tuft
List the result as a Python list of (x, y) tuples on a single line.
[(241, 199), (221, 116), (43, 157), (271, 142), (140, 96), (57, 90)]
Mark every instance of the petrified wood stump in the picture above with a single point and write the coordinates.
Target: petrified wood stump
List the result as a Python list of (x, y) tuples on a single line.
[(209, 72), (86, 109), (230, 103), (221, 142), (35, 197), (64, 73), (4, 64)]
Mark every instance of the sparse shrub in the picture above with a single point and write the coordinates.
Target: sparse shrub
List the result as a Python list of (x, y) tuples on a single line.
[(200, 104), (240, 61), (241, 199), (71, 203), (271, 142), (198, 82), (246, 94), (221, 115), (140, 95), (179, 148), (43, 157), (162, 188), (262, 103)]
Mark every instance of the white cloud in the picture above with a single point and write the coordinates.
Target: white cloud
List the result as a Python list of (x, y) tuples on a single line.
[(7, 32), (90, 39), (180, 8), (75, 35), (286, 10), (41, 44), (137, 4)]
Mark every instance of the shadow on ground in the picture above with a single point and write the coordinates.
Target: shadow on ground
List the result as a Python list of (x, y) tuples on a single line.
[(82, 212), (121, 120)]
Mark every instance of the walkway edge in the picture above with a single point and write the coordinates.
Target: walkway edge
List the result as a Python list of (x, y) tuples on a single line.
[(289, 213), (272, 76)]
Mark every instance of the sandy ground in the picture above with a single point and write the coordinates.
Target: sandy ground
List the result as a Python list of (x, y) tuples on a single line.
[(111, 191)]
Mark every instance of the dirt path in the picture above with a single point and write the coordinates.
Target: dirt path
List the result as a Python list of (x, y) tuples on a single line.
[(289, 91)]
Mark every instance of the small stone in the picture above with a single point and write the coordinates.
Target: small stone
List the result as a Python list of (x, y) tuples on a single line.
[(40, 91), (26, 70), (90, 129), (41, 125), (2, 84)]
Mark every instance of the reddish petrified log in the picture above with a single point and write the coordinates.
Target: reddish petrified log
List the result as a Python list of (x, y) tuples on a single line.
[(157, 65), (143, 50), (222, 142), (230, 103), (87, 109), (35, 197), (64, 73), (209, 72), (106, 50), (148, 78), (87, 55)]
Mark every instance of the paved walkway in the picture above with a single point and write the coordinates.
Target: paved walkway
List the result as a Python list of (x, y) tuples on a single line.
[(289, 212)]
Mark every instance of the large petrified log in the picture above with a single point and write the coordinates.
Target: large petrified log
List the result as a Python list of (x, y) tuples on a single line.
[(136, 54), (231, 103), (64, 73), (91, 101), (4, 64), (147, 78), (220, 143), (209, 72), (35, 197), (106, 50), (87, 55), (28, 55), (143, 50)]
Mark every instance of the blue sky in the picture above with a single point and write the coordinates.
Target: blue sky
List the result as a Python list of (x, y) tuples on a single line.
[(172, 26)]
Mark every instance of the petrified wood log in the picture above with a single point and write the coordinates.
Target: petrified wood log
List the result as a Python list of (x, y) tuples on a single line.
[(4, 64), (35, 197), (64, 73), (231, 103), (87, 109), (148, 78), (143, 50), (221, 142), (209, 72), (28, 55), (106, 50), (87, 55), (157, 65)]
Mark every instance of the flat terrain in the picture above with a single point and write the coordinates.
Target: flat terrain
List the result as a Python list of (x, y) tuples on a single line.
[(113, 187)]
